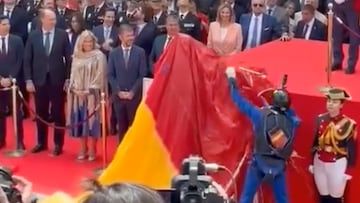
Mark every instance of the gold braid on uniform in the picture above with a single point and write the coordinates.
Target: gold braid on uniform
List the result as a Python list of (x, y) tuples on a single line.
[(331, 136)]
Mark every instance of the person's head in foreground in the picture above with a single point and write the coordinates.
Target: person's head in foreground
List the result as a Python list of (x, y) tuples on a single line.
[(121, 193), (335, 100)]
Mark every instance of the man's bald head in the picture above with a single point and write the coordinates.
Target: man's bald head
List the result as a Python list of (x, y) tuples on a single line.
[(48, 19)]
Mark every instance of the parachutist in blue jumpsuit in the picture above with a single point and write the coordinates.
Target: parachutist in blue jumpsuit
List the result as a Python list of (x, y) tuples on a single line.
[(274, 128)]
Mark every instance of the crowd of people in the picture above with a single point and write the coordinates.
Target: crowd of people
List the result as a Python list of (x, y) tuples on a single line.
[(59, 54)]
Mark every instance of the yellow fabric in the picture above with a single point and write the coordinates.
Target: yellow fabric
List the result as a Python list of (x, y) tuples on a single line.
[(58, 197), (141, 158)]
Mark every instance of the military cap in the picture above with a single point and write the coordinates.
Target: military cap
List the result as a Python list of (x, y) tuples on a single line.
[(337, 93)]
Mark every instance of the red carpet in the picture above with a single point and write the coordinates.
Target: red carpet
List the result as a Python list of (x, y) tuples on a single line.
[(49, 174), (305, 63)]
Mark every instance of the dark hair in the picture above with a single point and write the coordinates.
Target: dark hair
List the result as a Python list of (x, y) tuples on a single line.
[(309, 7), (121, 193), (109, 10), (3, 17), (80, 19)]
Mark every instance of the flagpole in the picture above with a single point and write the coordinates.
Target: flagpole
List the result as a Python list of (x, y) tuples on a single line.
[(330, 44)]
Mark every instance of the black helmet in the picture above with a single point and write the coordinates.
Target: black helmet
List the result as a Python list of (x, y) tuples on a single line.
[(281, 99)]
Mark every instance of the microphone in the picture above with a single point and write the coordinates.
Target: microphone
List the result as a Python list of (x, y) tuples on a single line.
[(213, 167)]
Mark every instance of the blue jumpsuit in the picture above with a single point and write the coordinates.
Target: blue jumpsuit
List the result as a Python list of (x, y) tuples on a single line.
[(265, 168)]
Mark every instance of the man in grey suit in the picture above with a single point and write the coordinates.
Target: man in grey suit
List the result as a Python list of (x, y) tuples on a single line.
[(278, 13), (126, 70)]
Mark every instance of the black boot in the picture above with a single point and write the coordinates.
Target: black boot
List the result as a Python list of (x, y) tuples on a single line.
[(325, 199), (337, 200)]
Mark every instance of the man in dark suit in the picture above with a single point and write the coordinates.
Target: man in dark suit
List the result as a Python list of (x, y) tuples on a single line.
[(47, 70), (94, 14), (63, 12), (48, 4), (162, 41), (18, 18), (107, 33), (159, 15), (259, 28), (31, 7), (145, 32), (309, 27), (189, 23), (11, 54), (126, 70)]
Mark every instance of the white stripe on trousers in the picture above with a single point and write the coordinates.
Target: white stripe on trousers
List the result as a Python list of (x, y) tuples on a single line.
[(330, 177)]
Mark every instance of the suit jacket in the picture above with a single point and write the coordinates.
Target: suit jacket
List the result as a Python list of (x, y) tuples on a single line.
[(156, 51), (99, 34), (270, 29), (18, 22), (37, 64), (11, 62), (160, 23), (146, 36), (60, 23), (279, 14), (318, 31), (191, 25), (232, 42), (30, 7), (319, 16), (66, 17), (128, 77), (93, 19)]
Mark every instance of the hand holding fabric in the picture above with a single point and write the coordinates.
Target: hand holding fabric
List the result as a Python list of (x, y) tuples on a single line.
[(25, 188), (5, 82), (122, 95)]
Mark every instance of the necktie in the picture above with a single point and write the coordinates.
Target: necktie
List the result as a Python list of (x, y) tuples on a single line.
[(155, 19), (107, 33), (7, 13), (269, 11), (3, 46), (182, 17), (305, 30), (97, 10), (255, 33), (47, 43), (126, 56), (62, 13)]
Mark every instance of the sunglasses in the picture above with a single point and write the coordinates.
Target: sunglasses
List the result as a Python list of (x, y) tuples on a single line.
[(258, 5)]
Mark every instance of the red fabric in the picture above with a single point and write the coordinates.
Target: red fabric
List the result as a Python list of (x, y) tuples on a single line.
[(190, 98), (204, 26), (73, 5), (357, 5)]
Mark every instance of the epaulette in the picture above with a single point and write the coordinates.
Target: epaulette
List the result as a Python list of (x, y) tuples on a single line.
[(350, 120)]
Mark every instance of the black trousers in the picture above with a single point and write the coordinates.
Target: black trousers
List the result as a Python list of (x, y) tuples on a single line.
[(125, 113), (5, 102), (44, 96)]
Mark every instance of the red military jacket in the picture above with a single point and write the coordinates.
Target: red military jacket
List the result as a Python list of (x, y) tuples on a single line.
[(335, 138)]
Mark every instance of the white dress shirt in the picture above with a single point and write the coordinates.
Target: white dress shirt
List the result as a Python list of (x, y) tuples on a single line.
[(157, 17), (6, 10), (310, 26), (251, 30), (183, 15), (52, 34), (6, 43)]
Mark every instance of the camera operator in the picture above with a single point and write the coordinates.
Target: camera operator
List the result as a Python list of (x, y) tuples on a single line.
[(23, 186)]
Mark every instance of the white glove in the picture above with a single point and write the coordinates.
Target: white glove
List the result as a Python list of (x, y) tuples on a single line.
[(230, 72), (347, 177), (311, 169), (339, 1)]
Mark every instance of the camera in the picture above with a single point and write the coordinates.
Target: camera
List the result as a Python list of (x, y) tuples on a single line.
[(7, 184), (193, 185)]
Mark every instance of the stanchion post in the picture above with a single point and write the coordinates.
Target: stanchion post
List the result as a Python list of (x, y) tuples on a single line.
[(17, 152), (103, 134), (330, 44)]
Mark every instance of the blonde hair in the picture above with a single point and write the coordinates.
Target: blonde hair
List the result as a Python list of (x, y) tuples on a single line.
[(78, 50), (223, 6)]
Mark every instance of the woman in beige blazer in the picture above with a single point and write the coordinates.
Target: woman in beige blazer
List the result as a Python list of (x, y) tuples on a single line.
[(225, 36)]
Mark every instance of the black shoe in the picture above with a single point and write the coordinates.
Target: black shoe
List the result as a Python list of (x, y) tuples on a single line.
[(57, 151), (336, 67), (349, 71), (38, 148)]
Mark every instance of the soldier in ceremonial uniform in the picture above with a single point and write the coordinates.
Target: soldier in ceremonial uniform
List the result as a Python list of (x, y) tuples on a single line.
[(334, 148), (94, 14)]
